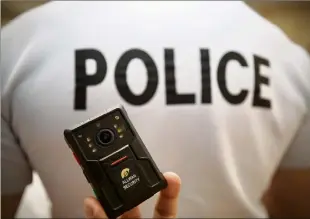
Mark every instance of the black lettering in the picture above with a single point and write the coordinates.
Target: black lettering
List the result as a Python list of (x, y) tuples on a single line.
[(82, 80), (259, 80), (205, 76), (221, 78), (121, 77), (172, 96)]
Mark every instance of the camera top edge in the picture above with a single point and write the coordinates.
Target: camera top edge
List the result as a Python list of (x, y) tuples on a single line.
[(96, 117), (92, 119)]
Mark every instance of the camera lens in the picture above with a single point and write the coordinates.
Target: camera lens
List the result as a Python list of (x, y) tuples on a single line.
[(105, 137)]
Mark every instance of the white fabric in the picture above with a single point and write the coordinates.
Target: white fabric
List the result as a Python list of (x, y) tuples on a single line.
[(225, 154), (35, 202)]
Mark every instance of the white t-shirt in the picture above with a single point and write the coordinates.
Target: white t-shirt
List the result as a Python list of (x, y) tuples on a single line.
[(217, 93)]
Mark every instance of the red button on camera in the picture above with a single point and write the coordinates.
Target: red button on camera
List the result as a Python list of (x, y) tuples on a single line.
[(77, 160)]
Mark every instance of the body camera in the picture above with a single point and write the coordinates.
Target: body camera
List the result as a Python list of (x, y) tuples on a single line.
[(115, 161)]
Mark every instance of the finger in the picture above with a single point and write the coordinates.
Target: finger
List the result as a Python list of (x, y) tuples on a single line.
[(167, 202), (93, 209), (132, 214)]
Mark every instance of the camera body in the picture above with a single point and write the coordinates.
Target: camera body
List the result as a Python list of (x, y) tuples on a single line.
[(115, 161)]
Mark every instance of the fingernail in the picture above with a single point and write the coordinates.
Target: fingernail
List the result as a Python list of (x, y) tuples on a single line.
[(89, 212)]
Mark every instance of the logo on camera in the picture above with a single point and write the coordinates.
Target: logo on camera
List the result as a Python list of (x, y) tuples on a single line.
[(125, 173)]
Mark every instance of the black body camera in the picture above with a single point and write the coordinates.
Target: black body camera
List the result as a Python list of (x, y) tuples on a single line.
[(115, 161)]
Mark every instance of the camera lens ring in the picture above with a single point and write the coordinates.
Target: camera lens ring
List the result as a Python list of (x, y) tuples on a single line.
[(105, 137)]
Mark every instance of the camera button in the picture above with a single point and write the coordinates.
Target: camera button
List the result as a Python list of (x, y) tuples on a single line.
[(76, 159), (95, 193)]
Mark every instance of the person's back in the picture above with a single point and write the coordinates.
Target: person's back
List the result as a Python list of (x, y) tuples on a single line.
[(223, 91)]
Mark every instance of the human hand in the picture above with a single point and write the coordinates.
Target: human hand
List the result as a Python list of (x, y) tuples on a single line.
[(166, 206)]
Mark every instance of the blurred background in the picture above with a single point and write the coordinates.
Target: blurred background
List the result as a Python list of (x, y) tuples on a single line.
[(292, 17), (11, 9)]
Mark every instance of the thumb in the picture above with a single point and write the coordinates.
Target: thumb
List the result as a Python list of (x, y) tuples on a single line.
[(93, 209)]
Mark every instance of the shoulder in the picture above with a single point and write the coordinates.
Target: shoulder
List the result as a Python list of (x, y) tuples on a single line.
[(285, 40)]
